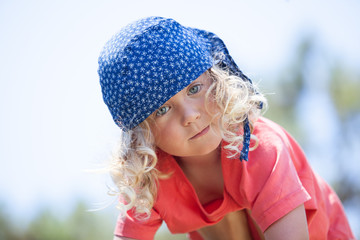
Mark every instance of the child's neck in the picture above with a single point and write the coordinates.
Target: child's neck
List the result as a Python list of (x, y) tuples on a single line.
[(205, 175), (200, 161)]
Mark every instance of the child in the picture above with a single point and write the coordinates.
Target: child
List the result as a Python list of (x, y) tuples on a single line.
[(194, 151)]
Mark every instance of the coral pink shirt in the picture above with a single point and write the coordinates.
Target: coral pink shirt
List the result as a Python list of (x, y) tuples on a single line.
[(276, 179)]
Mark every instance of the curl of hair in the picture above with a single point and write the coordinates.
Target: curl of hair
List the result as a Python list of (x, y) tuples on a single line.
[(133, 166), (132, 169), (236, 99)]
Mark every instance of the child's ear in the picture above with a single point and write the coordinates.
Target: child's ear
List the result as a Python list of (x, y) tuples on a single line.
[(251, 126)]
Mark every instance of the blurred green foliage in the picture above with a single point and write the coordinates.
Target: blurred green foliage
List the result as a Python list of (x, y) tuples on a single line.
[(345, 91), (287, 89), (79, 225)]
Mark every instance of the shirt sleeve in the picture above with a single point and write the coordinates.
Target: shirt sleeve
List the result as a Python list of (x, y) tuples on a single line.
[(131, 227), (274, 185)]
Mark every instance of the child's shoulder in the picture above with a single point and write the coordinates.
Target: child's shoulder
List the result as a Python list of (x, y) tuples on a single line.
[(273, 141), (269, 131)]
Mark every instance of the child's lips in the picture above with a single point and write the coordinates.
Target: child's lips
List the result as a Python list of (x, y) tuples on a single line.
[(203, 132)]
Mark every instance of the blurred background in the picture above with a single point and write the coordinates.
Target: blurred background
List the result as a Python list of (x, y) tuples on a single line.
[(305, 55)]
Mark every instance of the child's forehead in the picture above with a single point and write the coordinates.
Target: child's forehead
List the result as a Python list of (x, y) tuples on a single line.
[(203, 78)]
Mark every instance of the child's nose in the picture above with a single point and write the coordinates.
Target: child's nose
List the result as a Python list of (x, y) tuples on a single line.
[(190, 114)]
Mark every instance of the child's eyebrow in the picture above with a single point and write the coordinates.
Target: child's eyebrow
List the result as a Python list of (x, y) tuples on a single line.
[(200, 79)]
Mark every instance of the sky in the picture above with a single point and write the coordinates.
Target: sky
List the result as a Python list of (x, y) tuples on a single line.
[(53, 123)]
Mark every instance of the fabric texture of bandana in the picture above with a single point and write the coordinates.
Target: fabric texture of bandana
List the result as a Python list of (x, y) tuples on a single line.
[(149, 61)]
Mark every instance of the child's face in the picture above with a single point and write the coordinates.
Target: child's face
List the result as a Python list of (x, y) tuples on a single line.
[(182, 127)]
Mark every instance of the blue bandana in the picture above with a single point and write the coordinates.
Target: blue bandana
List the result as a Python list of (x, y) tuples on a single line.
[(149, 61)]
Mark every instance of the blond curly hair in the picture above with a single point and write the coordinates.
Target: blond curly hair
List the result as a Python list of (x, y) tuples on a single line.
[(133, 165)]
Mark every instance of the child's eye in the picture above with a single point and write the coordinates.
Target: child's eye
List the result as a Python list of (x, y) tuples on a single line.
[(161, 111), (195, 89)]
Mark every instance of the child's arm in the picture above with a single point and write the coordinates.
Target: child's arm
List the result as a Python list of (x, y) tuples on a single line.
[(291, 226)]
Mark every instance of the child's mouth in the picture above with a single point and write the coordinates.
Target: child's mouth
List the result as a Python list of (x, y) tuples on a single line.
[(203, 132)]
